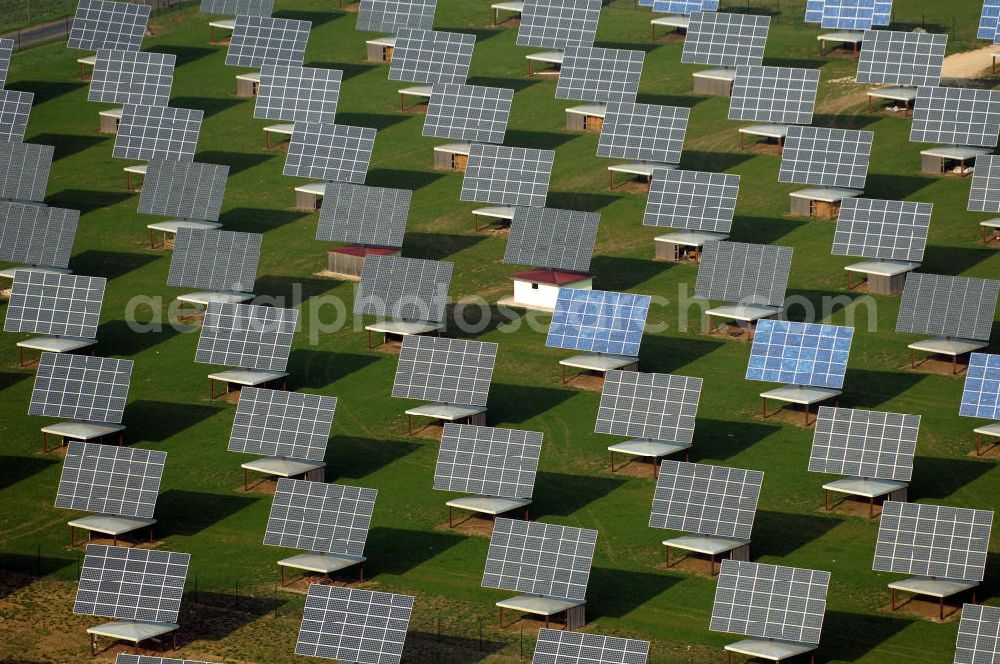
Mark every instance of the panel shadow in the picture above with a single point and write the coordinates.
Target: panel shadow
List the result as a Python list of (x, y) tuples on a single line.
[(391, 177), (782, 533), (378, 121), (559, 494), (10, 379), (423, 647), (187, 513), (350, 69), (761, 230), (721, 439), (896, 187), (939, 478), (953, 260), (184, 54), (668, 354), (515, 84), (573, 200), (684, 101), (864, 388), (157, 421), (841, 631), (126, 342), (237, 161), (47, 90), (717, 162), (356, 458), (615, 593), (292, 289), (519, 403), (539, 140), (258, 220), (400, 550), (87, 201), (109, 264), (68, 144), (13, 469), (617, 273), (209, 105), (437, 246), (212, 615), (316, 369), (22, 570)]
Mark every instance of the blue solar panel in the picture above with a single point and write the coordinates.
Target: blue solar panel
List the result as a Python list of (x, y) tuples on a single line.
[(981, 397), (989, 20), (598, 321), (683, 6), (848, 14), (882, 12), (800, 353)]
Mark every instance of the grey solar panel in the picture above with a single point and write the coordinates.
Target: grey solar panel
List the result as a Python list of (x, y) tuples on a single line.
[(358, 214), (132, 77), (188, 190), (297, 94), (37, 235), (131, 584), (563, 647), (653, 406), (892, 230), (599, 74), (390, 15), (24, 170), (15, 107), (826, 157), (123, 481), (451, 371), (984, 195), (864, 443), (691, 199), (978, 639), (331, 152), (948, 306), (744, 273), (901, 58), (707, 500), (282, 424), (157, 132), (725, 40), (404, 288), (125, 658), (956, 116), (6, 50), (80, 387), (468, 112), (318, 517), (215, 260), (558, 23), (431, 56), (262, 40), (774, 94), (247, 336), (66, 305), (101, 24), (237, 7), (540, 559), (487, 461), (550, 238), (644, 132), (931, 540), (507, 176)]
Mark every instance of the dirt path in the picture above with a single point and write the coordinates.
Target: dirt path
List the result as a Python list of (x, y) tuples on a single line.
[(971, 64)]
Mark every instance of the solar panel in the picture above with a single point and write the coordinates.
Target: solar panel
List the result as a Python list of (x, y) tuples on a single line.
[(131, 584), (487, 461), (981, 395), (556, 239), (978, 639), (826, 157), (6, 51), (65, 305), (930, 540), (15, 107), (684, 6), (956, 116), (598, 321), (770, 601), (848, 14), (468, 112), (707, 500), (984, 195), (653, 406), (247, 336), (864, 443), (644, 132), (132, 77), (284, 424), (262, 40), (800, 353), (354, 625), (364, 215), (37, 235), (24, 170), (901, 58), (81, 387), (331, 152), (404, 288), (558, 23), (189, 190), (948, 306), (989, 20), (107, 479), (774, 94), (725, 40), (125, 658), (563, 647), (744, 273), (297, 94), (237, 7), (507, 176), (100, 24), (157, 132), (431, 56), (691, 199), (389, 15), (328, 518), (215, 260), (891, 230), (451, 371), (599, 74)]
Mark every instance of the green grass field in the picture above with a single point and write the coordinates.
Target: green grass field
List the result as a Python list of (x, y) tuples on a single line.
[(232, 612)]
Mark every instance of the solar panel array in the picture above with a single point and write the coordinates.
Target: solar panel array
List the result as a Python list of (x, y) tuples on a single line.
[(948, 306), (540, 559), (107, 479), (653, 406), (101, 24), (131, 584), (901, 58), (644, 132), (354, 625), (79, 387), (451, 371), (331, 152), (744, 273), (6, 50), (989, 20), (37, 235), (598, 321), (826, 157), (558, 23), (981, 395), (599, 74), (770, 601), (800, 353), (364, 215), (507, 176), (891, 230), (707, 500), (564, 647), (984, 195), (215, 260), (390, 15), (468, 112), (188, 190), (882, 14), (15, 107), (283, 424), (404, 288), (262, 40), (157, 132), (774, 94), (247, 336), (24, 170), (431, 56), (65, 305), (237, 7), (132, 77), (682, 6), (932, 540), (978, 635), (693, 200), (487, 461), (556, 239), (319, 517), (848, 14), (956, 116), (725, 40), (864, 443), (297, 94)]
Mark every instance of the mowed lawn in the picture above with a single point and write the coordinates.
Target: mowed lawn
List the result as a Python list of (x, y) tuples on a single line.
[(202, 508)]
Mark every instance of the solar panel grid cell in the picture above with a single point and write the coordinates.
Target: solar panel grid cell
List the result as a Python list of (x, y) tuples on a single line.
[(468, 113), (37, 235), (188, 190), (564, 647), (101, 24), (404, 288), (901, 58), (451, 371), (644, 132), (984, 195), (989, 20), (247, 336), (864, 443), (66, 305), (948, 306), (598, 321), (131, 584), (774, 94), (653, 406), (15, 107), (431, 56), (297, 94), (956, 116), (261, 40), (24, 170), (123, 481), (78, 387), (215, 260), (372, 216), (237, 7), (554, 239), (157, 132), (808, 354), (890, 230), (981, 394), (599, 74), (390, 15), (978, 639), (6, 50), (707, 500), (132, 77), (558, 23), (282, 424), (725, 40), (826, 157), (318, 517), (692, 200), (487, 461), (507, 176), (744, 273), (331, 152), (848, 14)]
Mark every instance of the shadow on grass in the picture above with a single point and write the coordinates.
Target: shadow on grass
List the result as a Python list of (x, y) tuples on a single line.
[(69, 144), (22, 569), (378, 121), (13, 469), (316, 18), (350, 69), (437, 246), (188, 513), (896, 187), (47, 90), (212, 615), (782, 533), (842, 629), (538, 140), (520, 403), (110, 264), (865, 388), (803, 63), (126, 342), (617, 273), (954, 260), (400, 550), (762, 230), (258, 220), (515, 84), (184, 54), (684, 101), (664, 354), (87, 201), (645, 46), (209, 105), (423, 647), (572, 200), (615, 593), (10, 379), (939, 478), (559, 494), (356, 458), (236, 161), (391, 177), (158, 421), (316, 369), (292, 289), (844, 120), (716, 162), (721, 439), (482, 34), (813, 305)]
